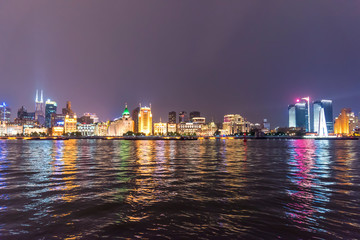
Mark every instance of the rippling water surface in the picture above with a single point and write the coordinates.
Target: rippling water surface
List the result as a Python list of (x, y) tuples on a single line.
[(87, 189)]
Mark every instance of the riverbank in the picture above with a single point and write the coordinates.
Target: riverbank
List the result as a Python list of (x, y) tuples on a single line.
[(181, 138)]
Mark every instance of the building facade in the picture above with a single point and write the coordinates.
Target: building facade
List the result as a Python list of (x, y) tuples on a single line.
[(341, 125), (160, 129), (235, 124), (145, 121), (121, 126), (70, 124), (326, 105), (50, 108), (183, 117), (172, 117)]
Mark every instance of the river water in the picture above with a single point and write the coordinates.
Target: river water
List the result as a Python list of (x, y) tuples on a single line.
[(90, 189)]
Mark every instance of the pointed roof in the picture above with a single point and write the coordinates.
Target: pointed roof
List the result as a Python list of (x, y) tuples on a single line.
[(126, 111)]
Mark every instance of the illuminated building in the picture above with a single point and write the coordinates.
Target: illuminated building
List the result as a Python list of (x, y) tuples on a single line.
[(208, 129), (50, 108), (135, 116), (341, 125), (57, 131), (189, 128), (122, 125), (86, 129), (298, 115), (70, 124), (67, 110), (30, 131), (322, 130), (328, 111), (160, 128), (194, 114), (200, 120), (172, 128), (145, 120), (101, 128), (172, 117), (39, 108), (183, 117), (13, 129), (235, 124), (5, 113)]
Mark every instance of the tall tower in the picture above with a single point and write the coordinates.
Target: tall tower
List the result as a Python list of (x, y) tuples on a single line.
[(39, 108), (322, 130), (145, 120)]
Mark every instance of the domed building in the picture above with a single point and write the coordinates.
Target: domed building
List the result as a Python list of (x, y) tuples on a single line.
[(122, 125)]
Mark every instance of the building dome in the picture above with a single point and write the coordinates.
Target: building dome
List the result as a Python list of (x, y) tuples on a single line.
[(126, 111)]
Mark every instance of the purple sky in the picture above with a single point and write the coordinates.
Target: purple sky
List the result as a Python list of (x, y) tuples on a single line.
[(218, 57)]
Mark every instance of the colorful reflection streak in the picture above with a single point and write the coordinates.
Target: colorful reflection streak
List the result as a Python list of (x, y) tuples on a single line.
[(308, 165)]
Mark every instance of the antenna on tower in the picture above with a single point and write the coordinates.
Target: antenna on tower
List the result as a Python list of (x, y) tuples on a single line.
[(37, 95), (42, 100)]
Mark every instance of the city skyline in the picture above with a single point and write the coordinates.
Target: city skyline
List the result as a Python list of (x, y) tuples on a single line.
[(42, 104)]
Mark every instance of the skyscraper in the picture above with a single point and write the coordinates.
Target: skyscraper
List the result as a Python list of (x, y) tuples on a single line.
[(298, 115), (328, 112), (39, 108), (172, 117), (50, 108), (145, 120), (194, 114), (183, 117), (5, 113), (135, 117), (341, 125)]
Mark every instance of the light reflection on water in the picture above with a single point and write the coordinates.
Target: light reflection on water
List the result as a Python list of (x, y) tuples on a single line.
[(223, 188)]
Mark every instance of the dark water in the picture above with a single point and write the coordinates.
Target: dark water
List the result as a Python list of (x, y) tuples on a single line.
[(89, 189)]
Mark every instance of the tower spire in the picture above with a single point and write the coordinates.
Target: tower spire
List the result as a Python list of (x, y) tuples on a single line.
[(37, 95), (42, 100)]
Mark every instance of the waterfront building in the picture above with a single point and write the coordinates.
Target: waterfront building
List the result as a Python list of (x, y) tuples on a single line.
[(122, 125), (101, 128), (57, 131), (172, 117), (145, 120), (5, 113), (172, 128), (13, 129), (86, 129), (31, 131), (70, 124), (67, 110), (183, 117), (135, 116), (39, 108), (341, 125), (208, 129), (298, 115), (328, 111), (50, 108), (235, 124), (160, 128), (322, 130), (194, 114), (85, 120), (189, 128)]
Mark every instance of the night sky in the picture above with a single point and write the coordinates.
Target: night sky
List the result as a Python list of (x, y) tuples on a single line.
[(218, 57)]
